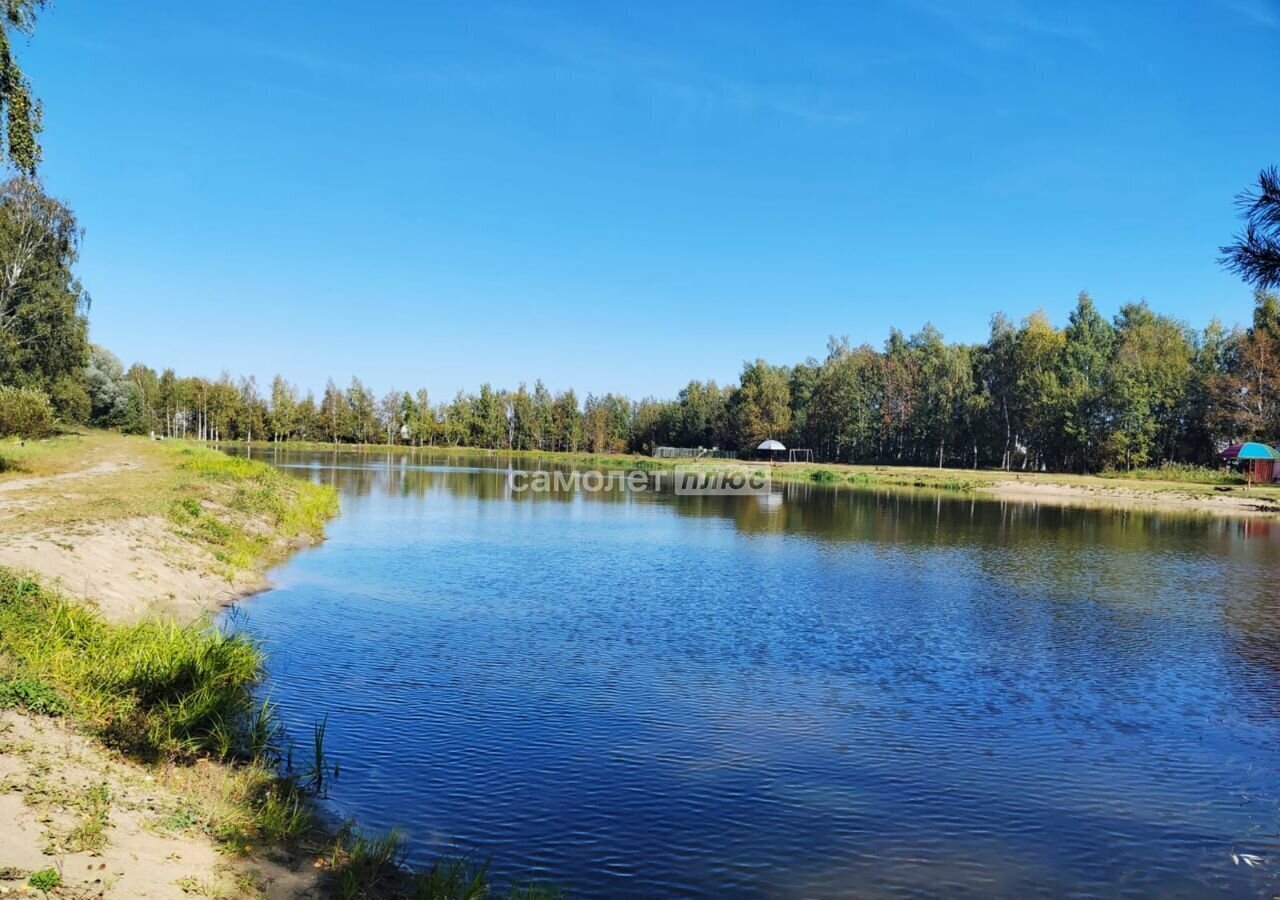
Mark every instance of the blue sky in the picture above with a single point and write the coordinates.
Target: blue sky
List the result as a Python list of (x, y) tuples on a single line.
[(623, 196)]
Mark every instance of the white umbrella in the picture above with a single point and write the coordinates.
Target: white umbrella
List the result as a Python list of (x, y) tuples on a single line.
[(771, 445)]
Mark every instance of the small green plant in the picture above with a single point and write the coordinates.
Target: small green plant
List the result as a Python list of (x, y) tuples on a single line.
[(823, 476), (182, 820), (535, 890), (33, 694), (186, 508), (210, 889), (319, 772), (45, 880), (283, 814), (90, 834)]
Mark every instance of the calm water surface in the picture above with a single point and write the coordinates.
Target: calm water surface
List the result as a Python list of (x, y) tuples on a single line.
[(836, 693)]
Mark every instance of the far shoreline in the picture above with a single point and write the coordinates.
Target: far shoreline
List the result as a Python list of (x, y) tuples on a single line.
[(1100, 492)]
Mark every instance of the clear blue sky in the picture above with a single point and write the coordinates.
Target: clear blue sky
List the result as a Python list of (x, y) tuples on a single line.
[(623, 196)]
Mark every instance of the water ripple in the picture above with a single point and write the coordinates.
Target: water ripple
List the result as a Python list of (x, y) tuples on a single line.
[(850, 695)]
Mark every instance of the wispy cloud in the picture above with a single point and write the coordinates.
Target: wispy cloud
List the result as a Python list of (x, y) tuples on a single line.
[(610, 57), (1006, 25), (1260, 12)]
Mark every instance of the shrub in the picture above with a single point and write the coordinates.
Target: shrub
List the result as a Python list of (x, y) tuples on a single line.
[(25, 412)]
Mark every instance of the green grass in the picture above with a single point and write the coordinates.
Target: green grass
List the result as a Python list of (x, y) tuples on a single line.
[(246, 513), (156, 691), (453, 879), (255, 493), (1180, 472), (878, 477), (153, 689), (364, 866)]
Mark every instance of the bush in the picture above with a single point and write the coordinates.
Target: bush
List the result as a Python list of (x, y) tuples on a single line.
[(25, 412)]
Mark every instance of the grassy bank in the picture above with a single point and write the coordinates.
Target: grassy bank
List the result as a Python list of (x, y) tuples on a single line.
[(246, 514), (255, 493)]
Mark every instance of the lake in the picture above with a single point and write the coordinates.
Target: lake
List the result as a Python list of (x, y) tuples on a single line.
[(820, 693)]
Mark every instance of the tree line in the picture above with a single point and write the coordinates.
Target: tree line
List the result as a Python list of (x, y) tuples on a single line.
[(1133, 390)]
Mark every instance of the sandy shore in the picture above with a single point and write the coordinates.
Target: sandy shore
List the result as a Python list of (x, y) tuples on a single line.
[(57, 787), (75, 529), (1107, 496)]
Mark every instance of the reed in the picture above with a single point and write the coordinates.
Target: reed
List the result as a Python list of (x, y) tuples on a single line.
[(319, 772)]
